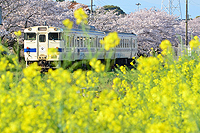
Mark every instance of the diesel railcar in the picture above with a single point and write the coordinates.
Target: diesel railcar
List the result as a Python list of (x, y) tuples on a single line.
[(45, 44)]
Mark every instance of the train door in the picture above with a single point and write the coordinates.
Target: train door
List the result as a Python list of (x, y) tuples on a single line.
[(42, 46)]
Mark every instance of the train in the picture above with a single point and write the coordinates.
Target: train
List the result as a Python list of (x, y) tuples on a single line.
[(46, 45)]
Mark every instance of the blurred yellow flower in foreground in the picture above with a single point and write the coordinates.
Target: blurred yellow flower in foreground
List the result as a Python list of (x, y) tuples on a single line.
[(1, 48), (166, 46), (149, 64), (111, 40), (97, 65), (67, 23), (80, 16), (52, 53), (18, 33), (194, 43)]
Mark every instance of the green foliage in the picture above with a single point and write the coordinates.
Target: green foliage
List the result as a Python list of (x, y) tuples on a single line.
[(116, 8), (197, 16)]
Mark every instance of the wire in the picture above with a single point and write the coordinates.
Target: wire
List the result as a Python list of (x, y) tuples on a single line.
[(194, 3), (102, 2)]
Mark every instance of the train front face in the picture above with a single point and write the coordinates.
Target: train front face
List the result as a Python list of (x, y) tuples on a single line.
[(43, 44)]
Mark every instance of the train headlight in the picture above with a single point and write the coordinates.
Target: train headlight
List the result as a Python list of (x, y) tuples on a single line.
[(29, 29), (55, 29)]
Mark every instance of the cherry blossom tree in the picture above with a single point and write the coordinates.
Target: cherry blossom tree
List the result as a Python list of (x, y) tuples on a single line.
[(20, 14), (151, 26), (194, 27)]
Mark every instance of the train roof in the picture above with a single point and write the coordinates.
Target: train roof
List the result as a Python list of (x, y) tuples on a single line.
[(78, 31), (122, 33), (100, 32), (43, 28)]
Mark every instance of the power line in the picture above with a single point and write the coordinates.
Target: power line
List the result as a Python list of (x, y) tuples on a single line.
[(102, 2), (171, 7), (194, 3)]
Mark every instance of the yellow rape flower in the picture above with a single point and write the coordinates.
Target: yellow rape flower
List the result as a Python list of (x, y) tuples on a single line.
[(52, 53), (123, 69), (116, 83), (194, 43), (18, 33), (110, 41), (165, 44), (80, 16), (32, 71), (148, 64), (1, 48), (67, 23), (97, 65), (166, 47)]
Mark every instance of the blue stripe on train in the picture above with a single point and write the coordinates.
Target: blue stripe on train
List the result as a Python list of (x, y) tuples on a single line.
[(60, 49), (34, 50), (30, 50)]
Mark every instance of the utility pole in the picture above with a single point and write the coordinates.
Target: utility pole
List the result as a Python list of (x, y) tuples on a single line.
[(186, 25), (91, 6), (91, 9), (0, 15), (138, 4)]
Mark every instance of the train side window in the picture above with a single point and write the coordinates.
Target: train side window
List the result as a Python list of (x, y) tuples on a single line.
[(29, 36), (90, 42), (54, 36), (118, 46), (99, 45), (85, 42), (133, 43), (129, 41), (93, 42), (68, 41), (126, 43), (81, 41), (60, 35), (42, 38), (71, 41), (98, 42), (77, 42), (122, 43)]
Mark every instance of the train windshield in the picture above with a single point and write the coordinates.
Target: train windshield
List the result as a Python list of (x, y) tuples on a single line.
[(42, 38), (55, 36), (29, 36)]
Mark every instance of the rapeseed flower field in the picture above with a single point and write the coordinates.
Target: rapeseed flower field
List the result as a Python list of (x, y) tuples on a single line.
[(161, 95)]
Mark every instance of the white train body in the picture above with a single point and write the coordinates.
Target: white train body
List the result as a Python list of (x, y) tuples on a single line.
[(45, 44)]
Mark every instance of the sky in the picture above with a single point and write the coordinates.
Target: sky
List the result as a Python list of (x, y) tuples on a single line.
[(129, 6)]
